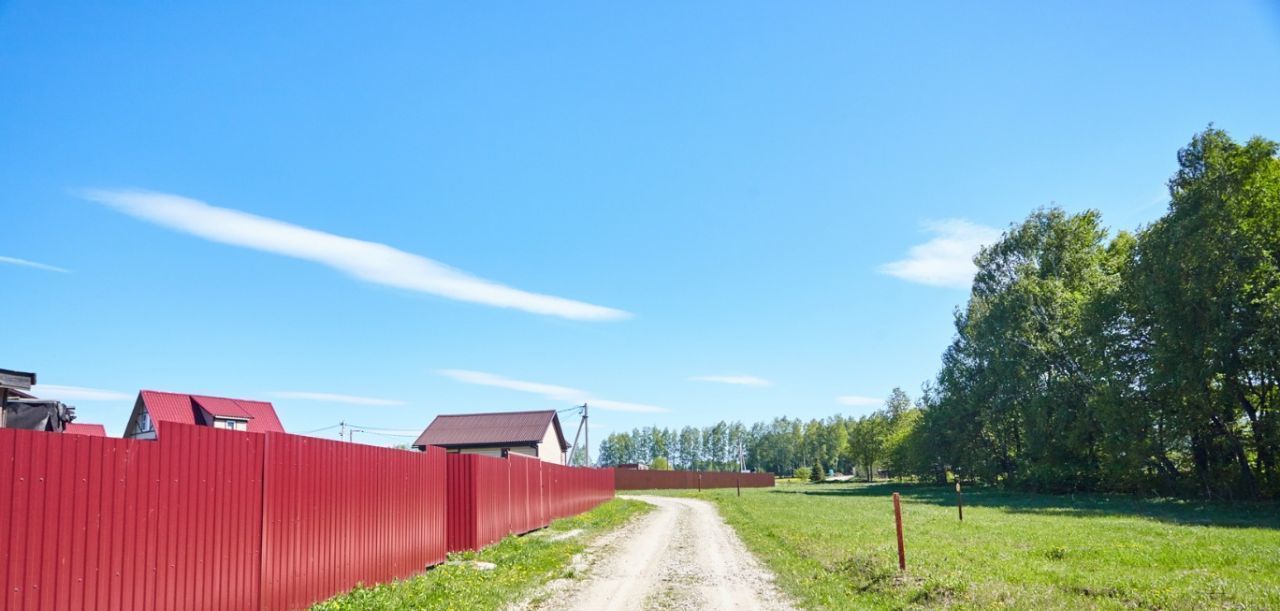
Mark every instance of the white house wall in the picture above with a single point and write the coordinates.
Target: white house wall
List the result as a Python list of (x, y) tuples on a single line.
[(549, 449)]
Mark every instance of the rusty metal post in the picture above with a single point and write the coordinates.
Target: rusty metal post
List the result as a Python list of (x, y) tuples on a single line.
[(959, 501), (897, 516), (738, 482), (699, 482)]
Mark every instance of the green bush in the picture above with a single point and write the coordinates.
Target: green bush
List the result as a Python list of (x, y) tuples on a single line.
[(801, 473), (819, 474)]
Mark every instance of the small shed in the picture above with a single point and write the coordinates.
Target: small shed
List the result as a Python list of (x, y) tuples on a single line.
[(535, 433)]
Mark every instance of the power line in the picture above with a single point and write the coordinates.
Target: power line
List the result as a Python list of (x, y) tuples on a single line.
[(376, 432), (333, 426), (397, 432), (384, 434)]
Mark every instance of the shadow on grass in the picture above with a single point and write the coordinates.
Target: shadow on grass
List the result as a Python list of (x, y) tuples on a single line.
[(1177, 511)]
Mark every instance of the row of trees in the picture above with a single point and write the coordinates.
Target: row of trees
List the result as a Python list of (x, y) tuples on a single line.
[(872, 443), (1143, 362), (714, 448)]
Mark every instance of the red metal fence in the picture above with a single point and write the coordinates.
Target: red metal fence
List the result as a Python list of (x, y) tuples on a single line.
[(490, 498), (99, 523), (635, 479), (339, 514), (206, 518)]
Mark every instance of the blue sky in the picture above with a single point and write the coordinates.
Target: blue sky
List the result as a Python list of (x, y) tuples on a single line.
[(681, 213)]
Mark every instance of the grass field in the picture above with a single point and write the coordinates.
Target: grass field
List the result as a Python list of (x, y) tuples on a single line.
[(523, 563), (833, 547)]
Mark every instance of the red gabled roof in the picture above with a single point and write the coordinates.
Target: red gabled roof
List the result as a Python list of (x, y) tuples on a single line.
[(497, 428), (182, 409), (222, 408), (81, 428)]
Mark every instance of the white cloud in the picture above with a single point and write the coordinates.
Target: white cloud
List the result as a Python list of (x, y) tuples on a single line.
[(551, 392), (368, 261), (77, 393), (333, 398), (33, 264), (858, 400), (739, 380), (947, 259), (622, 406)]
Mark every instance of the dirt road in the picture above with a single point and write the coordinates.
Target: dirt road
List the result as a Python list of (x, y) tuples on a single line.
[(680, 556)]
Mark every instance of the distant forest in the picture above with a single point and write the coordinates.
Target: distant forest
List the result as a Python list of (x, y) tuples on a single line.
[(1143, 362)]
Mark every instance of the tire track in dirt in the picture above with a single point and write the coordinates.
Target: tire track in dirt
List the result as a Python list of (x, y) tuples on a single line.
[(680, 556)]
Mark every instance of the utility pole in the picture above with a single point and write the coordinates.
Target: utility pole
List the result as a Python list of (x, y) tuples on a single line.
[(342, 430), (586, 430), (582, 427)]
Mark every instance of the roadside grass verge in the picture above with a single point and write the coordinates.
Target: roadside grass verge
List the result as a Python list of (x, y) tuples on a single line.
[(523, 563), (833, 546)]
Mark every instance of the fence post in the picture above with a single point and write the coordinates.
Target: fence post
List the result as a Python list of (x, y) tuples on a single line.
[(959, 501), (897, 515)]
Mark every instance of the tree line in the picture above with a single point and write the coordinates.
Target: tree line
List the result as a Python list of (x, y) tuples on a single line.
[(1144, 361), (866, 445)]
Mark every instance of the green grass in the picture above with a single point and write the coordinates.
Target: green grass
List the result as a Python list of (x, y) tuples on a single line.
[(833, 547), (523, 563)]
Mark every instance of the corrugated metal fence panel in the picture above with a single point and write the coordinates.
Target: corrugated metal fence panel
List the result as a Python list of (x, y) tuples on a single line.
[(490, 497), (479, 501), (178, 523), (520, 499), (460, 497), (633, 479), (341, 514), (92, 522), (206, 518)]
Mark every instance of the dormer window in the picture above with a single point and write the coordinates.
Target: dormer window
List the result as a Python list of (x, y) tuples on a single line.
[(232, 424)]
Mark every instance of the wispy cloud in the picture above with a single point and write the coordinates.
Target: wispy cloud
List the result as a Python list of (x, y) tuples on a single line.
[(368, 261), (552, 392), (327, 397), (947, 259), (77, 393), (739, 380), (25, 263), (858, 400)]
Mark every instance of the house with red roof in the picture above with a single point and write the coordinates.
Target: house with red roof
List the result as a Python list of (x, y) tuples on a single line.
[(219, 412), (497, 434)]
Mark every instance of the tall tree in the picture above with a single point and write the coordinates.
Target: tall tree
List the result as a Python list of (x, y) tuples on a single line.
[(1208, 276), (867, 436)]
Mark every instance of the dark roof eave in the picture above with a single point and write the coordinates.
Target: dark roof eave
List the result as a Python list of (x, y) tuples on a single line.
[(485, 444)]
